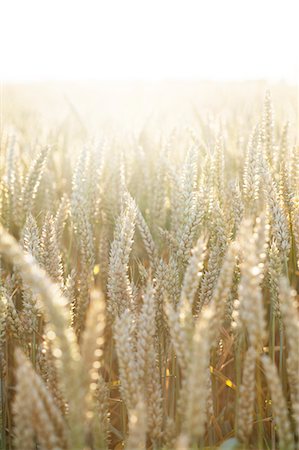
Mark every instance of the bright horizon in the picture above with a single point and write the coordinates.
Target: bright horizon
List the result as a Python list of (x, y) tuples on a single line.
[(149, 40)]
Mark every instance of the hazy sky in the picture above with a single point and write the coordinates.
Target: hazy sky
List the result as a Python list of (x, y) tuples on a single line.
[(140, 39)]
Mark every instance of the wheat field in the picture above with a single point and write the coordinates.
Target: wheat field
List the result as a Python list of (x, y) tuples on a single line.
[(149, 251)]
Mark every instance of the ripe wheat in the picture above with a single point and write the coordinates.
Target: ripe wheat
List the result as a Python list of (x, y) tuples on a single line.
[(149, 284)]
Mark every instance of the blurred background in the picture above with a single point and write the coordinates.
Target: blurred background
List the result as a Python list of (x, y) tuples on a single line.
[(149, 40), (97, 59)]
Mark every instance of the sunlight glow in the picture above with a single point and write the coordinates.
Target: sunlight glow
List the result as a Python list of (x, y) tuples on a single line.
[(150, 40)]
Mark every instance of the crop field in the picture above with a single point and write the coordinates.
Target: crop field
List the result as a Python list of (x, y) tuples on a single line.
[(149, 257)]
